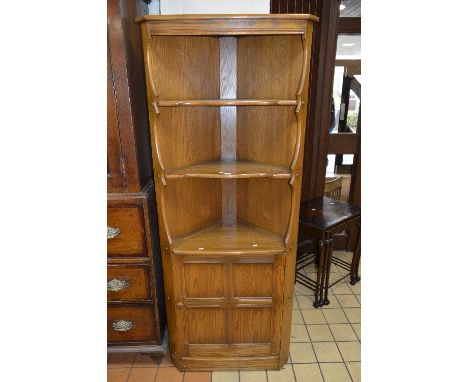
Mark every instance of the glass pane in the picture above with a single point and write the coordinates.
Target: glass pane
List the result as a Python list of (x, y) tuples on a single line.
[(336, 101), (353, 111), (343, 171), (348, 47), (350, 8)]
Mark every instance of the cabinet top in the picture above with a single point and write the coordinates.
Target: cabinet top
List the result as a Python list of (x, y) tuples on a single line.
[(183, 17)]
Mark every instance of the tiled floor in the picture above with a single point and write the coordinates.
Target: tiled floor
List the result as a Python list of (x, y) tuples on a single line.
[(325, 345)]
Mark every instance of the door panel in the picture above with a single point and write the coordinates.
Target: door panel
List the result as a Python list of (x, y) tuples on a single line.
[(251, 325), (231, 304), (206, 326)]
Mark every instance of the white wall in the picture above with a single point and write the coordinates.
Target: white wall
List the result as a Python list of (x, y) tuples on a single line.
[(168, 7), (154, 7)]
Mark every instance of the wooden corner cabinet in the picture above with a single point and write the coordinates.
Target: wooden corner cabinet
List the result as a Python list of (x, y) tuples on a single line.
[(227, 97), (136, 312)]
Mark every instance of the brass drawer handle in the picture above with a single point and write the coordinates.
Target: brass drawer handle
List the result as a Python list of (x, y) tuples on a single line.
[(112, 232), (115, 285), (122, 325)]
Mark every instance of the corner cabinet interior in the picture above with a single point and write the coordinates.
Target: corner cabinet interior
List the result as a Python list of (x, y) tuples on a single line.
[(227, 99)]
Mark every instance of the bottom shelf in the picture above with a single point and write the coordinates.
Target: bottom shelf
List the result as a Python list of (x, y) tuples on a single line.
[(237, 238)]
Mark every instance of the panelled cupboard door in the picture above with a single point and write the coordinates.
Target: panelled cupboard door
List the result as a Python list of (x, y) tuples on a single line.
[(115, 170), (229, 306)]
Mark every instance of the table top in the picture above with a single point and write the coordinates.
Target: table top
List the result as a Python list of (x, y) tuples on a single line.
[(325, 213)]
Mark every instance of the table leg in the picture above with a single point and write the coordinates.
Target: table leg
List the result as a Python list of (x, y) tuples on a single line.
[(356, 258), (328, 252), (320, 274)]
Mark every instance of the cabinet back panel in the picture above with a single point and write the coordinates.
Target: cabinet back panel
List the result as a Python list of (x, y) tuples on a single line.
[(188, 135), (191, 204), (265, 203), (266, 134), (269, 66), (185, 67)]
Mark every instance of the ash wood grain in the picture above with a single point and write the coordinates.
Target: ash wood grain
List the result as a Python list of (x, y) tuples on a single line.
[(230, 168), (265, 203), (269, 66), (266, 134), (191, 204), (228, 102), (188, 136), (174, 61), (228, 89), (229, 238), (225, 24), (253, 280)]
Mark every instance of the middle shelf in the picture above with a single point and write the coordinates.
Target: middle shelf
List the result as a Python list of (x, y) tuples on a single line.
[(230, 168), (229, 238)]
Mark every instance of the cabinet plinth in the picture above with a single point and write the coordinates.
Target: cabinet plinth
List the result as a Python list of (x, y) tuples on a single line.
[(227, 98)]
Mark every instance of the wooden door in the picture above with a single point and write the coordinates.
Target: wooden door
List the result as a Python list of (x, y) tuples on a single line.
[(228, 306)]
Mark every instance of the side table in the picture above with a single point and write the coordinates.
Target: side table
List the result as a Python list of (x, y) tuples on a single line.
[(320, 219)]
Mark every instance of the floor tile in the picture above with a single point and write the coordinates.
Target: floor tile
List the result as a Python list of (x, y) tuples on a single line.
[(342, 288), (357, 330), (335, 372), (302, 290), (143, 374), (302, 352), (350, 351), (225, 376), (348, 301), (295, 304), (284, 375), (343, 332), (146, 360), (313, 316), (319, 333), (335, 316), (169, 374), (353, 314), (252, 376), (297, 317), (299, 333), (118, 374), (305, 302), (120, 360), (356, 288), (354, 369), (358, 297), (166, 361), (327, 352), (197, 376), (333, 303), (307, 372)]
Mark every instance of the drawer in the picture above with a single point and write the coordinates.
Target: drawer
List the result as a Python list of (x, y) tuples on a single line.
[(131, 324), (128, 283), (128, 238)]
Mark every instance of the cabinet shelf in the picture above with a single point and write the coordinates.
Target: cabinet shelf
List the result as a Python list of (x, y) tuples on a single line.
[(230, 169), (222, 238), (229, 102)]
